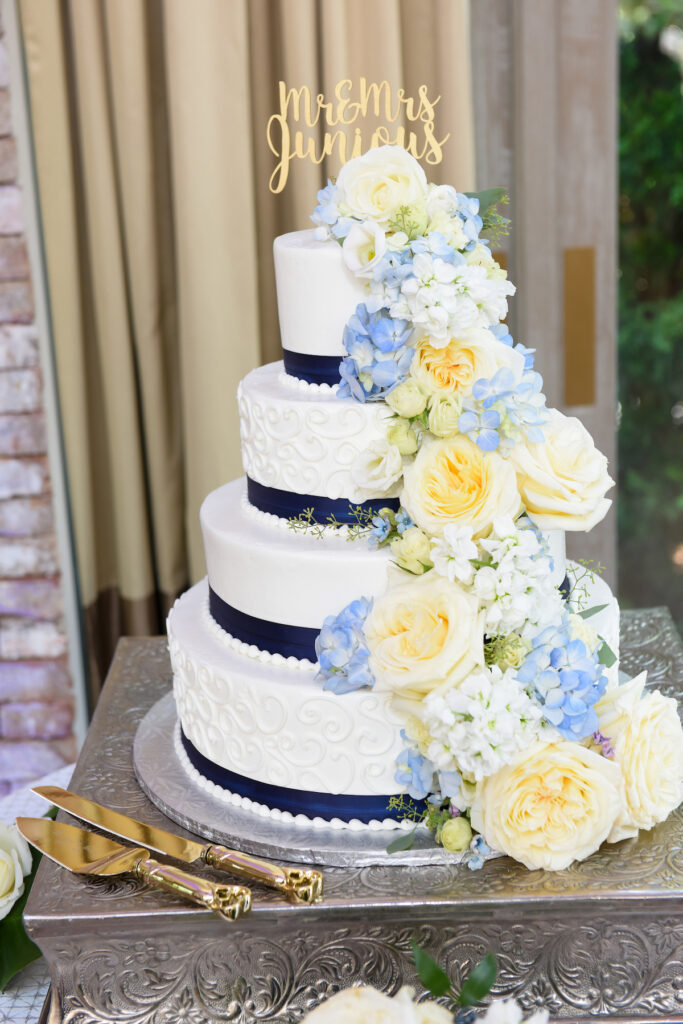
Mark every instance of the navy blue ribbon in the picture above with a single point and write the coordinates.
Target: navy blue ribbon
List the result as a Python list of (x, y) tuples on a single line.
[(314, 369), (275, 637), (296, 801), (287, 504), (565, 588)]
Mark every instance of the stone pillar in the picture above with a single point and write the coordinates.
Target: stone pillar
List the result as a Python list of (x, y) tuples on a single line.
[(36, 697)]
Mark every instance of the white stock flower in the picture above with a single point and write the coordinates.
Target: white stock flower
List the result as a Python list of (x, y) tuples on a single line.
[(375, 185), (452, 554), (377, 470), (481, 724), (363, 248), (563, 481), (15, 863), (365, 1005)]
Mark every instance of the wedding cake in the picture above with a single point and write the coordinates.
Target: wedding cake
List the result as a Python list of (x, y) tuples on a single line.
[(389, 634)]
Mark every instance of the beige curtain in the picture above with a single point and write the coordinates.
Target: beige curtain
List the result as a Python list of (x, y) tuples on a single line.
[(149, 121)]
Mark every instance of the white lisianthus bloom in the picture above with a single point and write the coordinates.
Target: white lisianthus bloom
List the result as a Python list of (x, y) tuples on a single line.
[(451, 480), (365, 1005), (423, 633), (377, 470), (453, 553), (15, 863), (563, 481), (554, 804), (363, 248), (375, 185), (482, 724)]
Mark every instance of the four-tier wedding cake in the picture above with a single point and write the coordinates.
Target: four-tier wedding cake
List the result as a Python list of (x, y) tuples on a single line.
[(389, 634)]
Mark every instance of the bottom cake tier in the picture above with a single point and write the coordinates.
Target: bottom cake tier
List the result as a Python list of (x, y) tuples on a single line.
[(260, 728)]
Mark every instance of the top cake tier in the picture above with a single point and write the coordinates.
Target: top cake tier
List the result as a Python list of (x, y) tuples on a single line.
[(316, 295)]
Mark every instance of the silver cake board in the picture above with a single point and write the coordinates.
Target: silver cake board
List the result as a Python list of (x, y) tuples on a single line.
[(602, 939), (180, 796)]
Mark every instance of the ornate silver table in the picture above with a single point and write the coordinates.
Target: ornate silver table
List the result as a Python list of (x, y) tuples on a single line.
[(602, 938)]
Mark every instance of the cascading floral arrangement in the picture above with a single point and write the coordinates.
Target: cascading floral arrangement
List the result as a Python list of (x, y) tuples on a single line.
[(512, 724)]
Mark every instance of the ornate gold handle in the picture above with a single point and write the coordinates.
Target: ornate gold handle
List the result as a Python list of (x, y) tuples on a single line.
[(230, 901), (302, 885)]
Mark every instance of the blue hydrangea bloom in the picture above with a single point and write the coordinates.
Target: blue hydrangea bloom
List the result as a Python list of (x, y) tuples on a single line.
[(414, 772), (468, 211), (501, 333), (479, 849), (381, 528), (403, 521), (378, 358), (518, 400), (480, 425), (326, 212), (435, 244), (343, 657), (568, 680), (449, 784)]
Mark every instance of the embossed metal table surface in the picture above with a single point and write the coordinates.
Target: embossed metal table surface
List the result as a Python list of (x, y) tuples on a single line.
[(603, 938)]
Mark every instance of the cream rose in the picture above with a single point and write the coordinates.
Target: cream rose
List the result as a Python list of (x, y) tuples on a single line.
[(443, 416), (377, 469), (454, 481), (563, 481), (365, 1005), (413, 551), (422, 634), (455, 367), (408, 399), (402, 436), (554, 804), (646, 735), (375, 185), (15, 863)]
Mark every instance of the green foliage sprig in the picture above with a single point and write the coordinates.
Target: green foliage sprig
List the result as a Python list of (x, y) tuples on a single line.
[(475, 987), (305, 522)]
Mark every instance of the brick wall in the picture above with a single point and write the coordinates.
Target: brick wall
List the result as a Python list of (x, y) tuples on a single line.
[(36, 701)]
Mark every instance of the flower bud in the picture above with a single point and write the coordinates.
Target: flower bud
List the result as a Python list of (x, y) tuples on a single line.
[(407, 399), (412, 551), (456, 835), (444, 413), (401, 434)]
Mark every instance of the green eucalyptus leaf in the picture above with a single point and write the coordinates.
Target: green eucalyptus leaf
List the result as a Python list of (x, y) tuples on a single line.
[(487, 199), (404, 842), (479, 982), (433, 977), (588, 612), (606, 655)]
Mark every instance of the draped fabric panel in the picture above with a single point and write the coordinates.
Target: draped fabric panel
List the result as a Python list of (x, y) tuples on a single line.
[(149, 123)]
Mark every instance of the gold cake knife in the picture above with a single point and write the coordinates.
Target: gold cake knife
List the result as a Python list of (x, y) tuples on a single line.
[(87, 853), (303, 885)]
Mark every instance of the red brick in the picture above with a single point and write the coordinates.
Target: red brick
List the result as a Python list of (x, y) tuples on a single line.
[(4, 67), (5, 113), (26, 517), (14, 263), (22, 638), (31, 599), (16, 302), (20, 390), (36, 720), (11, 210), (23, 434), (33, 680), (18, 345), (21, 478), (8, 160), (18, 758), (36, 557)]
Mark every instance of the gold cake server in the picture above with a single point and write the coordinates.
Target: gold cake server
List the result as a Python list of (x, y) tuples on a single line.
[(303, 885), (87, 853)]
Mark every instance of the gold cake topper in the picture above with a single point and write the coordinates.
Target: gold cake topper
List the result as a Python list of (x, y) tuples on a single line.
[(291, 136)]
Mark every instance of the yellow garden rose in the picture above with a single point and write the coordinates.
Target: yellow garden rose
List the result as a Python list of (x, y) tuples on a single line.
[(554, 804), (455, 367), (454, 481), (563, 481), (424, 633), (646, 734)]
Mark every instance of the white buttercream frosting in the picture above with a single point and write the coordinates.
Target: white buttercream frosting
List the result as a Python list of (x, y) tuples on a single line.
[(306, 440)]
